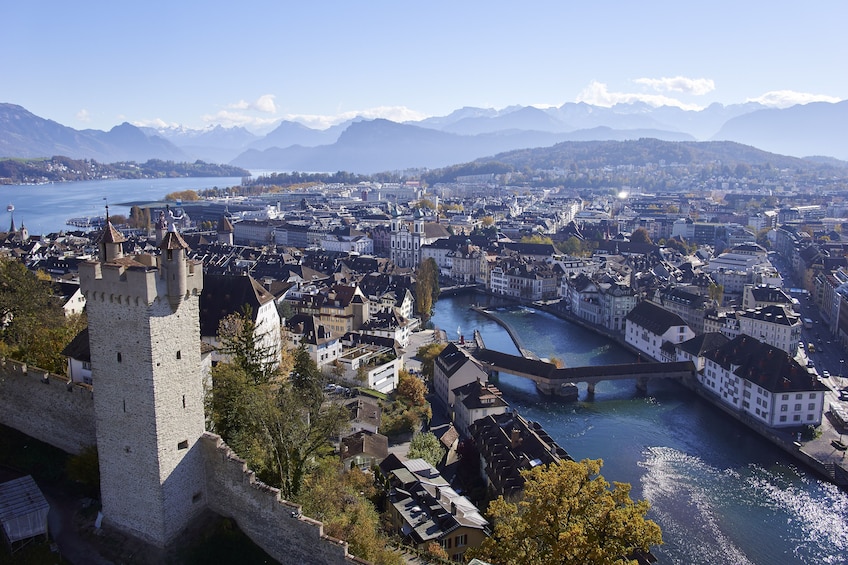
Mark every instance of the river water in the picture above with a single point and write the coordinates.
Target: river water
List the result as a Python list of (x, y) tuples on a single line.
[(44, 208), (720, 493)]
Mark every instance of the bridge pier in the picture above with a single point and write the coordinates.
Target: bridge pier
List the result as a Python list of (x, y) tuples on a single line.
[(642, 384), (590, 389), (547, 389)]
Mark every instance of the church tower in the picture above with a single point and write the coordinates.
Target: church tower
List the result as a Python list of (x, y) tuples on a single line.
[(144, 329)]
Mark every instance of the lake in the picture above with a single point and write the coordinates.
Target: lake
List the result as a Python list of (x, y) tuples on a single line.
[(44, 208)]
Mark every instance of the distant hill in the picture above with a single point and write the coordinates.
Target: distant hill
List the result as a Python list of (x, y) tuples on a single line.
[(381, 145), (25, 135), (599, 154), (818, 128), (367, 146), (643, 151), (61, 169)]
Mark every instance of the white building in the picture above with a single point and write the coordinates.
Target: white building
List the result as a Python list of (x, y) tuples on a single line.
[(452, 368), (408, 236), (776, 325), (648, 326), (764, 382)]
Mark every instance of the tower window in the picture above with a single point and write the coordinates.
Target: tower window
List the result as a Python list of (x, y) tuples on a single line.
[(183, 401), (119, 357), (179, 354), (183, 444)]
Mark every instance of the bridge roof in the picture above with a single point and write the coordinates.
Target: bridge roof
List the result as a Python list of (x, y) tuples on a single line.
[(516, 364)]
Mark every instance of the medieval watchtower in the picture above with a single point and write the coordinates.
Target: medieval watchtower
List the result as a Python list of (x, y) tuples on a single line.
[(144, 333)]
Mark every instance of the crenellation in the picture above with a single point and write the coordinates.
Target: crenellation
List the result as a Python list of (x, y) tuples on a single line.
[(276, 525), (47, 406)]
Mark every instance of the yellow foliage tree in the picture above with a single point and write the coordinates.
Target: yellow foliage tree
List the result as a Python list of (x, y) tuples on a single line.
[(569, 515)]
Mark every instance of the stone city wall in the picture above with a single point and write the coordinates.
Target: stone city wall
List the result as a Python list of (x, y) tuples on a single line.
[(275, 525), (46, 407)]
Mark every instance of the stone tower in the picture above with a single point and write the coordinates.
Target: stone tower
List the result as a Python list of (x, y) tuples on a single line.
[(144, 330), (225, 231)]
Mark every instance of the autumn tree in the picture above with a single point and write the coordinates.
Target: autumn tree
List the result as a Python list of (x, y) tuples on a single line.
[(140, 217), (427, 354), (182, 195), (410, 389), (569, 515), (537, 238), (426, 287), (640, 235), (342, 502), (426, 446)]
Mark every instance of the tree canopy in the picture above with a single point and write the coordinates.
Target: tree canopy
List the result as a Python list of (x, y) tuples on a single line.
[(426, 446), (426, 287), (279, 425), (34, 328), (569, 515)]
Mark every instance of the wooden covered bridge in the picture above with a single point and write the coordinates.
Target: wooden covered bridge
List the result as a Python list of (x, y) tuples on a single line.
[(550, 380)]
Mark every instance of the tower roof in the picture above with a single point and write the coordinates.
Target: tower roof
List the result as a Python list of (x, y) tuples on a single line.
[(224, 225), (111, 235), (173, 240)]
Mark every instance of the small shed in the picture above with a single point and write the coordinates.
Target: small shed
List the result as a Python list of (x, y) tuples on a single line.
[(23, 511)]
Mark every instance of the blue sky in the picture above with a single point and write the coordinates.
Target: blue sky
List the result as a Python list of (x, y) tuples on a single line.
[(94, 64)]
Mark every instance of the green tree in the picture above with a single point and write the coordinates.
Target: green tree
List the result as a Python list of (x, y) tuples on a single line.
[(571, 246), (294, 431), (227, 406), (569, 515), (33, 327), (246, 346), (426, 446)]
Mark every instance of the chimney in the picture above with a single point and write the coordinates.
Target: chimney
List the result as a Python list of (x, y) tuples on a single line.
[(438, 493), (453, 508), (515, 440)]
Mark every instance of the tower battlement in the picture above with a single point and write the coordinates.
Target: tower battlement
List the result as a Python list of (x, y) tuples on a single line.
[(137, 280)]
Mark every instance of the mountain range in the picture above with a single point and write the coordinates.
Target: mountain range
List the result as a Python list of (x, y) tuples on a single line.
[(467, 134)]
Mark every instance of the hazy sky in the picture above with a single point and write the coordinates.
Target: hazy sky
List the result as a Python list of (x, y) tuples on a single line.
[(92, 64)]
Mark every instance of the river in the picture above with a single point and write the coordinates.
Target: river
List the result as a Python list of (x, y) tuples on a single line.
[(44, 208), (720, 493)]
